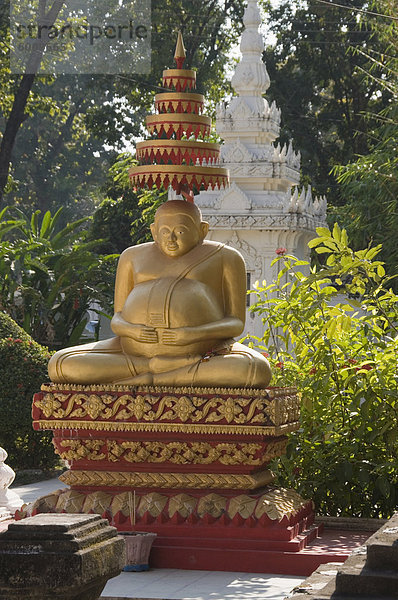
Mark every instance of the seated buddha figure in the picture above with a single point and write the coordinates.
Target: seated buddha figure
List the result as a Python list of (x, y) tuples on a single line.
[(179, 302)]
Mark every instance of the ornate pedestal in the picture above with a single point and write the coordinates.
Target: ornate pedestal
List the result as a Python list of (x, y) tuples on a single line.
[(189, 464)]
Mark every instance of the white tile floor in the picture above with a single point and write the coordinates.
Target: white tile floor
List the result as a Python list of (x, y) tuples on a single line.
[(174, 584)]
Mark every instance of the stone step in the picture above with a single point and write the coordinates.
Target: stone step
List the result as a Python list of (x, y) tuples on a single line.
[(356, 579), (370, 572), (383, 547), (63, 556)]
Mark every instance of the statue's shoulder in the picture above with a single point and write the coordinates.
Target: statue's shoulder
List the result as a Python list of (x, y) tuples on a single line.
[(228, 253), (138, 250)]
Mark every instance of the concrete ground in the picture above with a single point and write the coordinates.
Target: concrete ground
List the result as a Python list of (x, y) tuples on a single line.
[(174, 584)]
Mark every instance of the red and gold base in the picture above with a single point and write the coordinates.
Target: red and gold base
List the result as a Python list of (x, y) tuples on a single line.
[(189, 464)]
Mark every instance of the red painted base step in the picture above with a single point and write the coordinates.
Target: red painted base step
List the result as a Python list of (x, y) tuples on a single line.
[(253, 556)]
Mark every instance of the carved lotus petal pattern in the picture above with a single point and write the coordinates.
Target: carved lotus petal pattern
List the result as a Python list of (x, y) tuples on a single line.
[(244, 505), (212, 504), (70, 502), (183, 504), (153, 503), (124, 503)]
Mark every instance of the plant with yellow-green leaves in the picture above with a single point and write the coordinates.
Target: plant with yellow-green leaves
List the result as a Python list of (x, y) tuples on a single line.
[(331, 330)]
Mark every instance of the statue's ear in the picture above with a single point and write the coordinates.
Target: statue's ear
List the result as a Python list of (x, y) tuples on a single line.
[(153, 231), (204, 229)]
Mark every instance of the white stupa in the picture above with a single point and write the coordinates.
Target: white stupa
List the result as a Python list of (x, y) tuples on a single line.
[(263, 209)]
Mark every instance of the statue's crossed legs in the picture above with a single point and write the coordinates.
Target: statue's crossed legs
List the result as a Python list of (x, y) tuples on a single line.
[(229, 365)]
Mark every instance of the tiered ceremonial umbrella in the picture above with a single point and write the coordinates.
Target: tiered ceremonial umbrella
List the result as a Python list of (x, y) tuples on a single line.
[(178, 155)]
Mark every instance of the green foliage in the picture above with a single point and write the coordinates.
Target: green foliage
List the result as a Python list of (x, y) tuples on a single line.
[(69, 118), (123, 218), (332, 332), (65, 163), (318, 80), (370, 186), (23, 368), (50, 277), (370, 183)]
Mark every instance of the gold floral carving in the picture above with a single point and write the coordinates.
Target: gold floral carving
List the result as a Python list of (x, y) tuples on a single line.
[(167, 480), (144, 389), (190, 410), (185, 452), (82, 449), (284, 406), (80, 405), (196, 453)]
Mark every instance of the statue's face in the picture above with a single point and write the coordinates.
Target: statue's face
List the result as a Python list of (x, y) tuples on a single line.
[(176, 234)]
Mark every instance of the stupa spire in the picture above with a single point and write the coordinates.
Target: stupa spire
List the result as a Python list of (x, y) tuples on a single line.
[(251, 77), (180, 53), (248, 117), (179, 155)]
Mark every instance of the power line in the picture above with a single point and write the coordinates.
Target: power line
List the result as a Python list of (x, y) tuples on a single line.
[(148, 85), (360, 10)]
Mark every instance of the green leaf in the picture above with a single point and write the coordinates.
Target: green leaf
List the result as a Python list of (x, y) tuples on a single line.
[(315, 242), (77, 332), (336, 232), (383, 485), (323, 231), (34, 222), (45, 224), (323, 250), (364, 477)]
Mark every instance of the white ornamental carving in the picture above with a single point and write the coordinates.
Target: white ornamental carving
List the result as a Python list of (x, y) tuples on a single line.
[(9, 500), (247, 170), (286, 222), (236, 153), (233, 199), (241, 111), (253, 261), (251, 77)]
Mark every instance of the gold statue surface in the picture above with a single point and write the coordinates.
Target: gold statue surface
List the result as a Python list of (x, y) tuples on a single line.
[(179, 301)]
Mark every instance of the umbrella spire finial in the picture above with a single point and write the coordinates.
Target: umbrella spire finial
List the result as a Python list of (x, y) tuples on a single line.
[(180, 53)]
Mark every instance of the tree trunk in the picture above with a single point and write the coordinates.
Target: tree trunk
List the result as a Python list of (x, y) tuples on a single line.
[(17, 114)]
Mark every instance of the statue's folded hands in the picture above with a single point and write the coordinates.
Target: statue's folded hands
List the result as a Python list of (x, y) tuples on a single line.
[(137, 331)]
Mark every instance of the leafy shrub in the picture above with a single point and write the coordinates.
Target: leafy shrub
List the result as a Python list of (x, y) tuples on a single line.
[(332, 332), (23, 368), (50, 277)]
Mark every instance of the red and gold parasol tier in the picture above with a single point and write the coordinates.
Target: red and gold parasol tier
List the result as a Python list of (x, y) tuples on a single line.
[(166, 152), (178, 176), (179, 103), (170, 160), (180, 79), (166, 125)]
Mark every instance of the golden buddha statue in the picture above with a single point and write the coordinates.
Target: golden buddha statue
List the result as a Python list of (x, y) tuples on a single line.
[(179, 301)]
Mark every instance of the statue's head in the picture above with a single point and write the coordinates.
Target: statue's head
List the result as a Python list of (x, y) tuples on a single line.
[(178, 227)]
